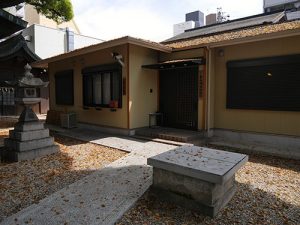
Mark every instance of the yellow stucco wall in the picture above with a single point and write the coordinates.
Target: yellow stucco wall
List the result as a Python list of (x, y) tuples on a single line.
[(105, 117), (275, 122), (142, 102)]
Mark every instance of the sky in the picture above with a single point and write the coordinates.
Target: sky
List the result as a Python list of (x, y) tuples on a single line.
[(149, 19)]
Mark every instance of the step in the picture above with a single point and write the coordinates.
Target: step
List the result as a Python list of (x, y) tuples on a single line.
[(28, 145), (28, 135), (163, 141), (175, 135), (29, 126), (15, 156)]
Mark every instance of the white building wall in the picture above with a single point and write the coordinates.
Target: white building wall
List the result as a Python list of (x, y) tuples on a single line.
[(181, 27), (47, 42), (81, 41)]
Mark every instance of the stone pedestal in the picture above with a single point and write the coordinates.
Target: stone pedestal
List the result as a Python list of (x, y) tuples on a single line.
[(29, 139), (196, 178)]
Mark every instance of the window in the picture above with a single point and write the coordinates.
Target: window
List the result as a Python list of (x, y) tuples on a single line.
[(264, 84), (102, 86), (64, 88)]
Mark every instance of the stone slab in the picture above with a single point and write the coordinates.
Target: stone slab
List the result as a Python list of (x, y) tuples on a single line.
[(31, 154), (202, 163), (29, 126), (28, 145), (28, 135)]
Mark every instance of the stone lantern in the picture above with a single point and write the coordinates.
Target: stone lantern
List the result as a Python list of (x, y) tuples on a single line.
[(29, 138)]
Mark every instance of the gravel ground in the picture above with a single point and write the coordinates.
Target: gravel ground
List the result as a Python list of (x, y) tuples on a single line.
[(27, 182), (268, 193)]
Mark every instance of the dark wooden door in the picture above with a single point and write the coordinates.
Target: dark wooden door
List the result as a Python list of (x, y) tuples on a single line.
[(179, 98)]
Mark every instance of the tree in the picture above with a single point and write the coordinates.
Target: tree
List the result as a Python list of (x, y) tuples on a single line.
[(57, 10)]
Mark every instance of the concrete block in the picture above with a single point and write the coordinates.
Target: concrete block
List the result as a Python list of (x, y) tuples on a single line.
[(189, 203), (29, 126), (199, 190), (210, 165), (28, 135), (28, 145), (197, 178), (30, 154)]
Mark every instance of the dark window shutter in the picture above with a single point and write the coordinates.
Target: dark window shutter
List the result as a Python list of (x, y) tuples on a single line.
[(264, 84), (64, 88)]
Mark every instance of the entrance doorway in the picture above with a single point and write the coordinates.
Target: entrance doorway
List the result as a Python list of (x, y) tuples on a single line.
[(179, 97)]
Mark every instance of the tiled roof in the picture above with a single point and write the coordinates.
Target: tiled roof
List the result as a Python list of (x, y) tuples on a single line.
[(16, 45), (235, 35), (10, 24), (231, 25)]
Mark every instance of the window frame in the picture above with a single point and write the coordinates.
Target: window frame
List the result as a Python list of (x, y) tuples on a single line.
[(100, 70), (60, 74)]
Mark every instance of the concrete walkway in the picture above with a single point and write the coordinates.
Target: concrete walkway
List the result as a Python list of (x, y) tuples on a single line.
[(102, 197)]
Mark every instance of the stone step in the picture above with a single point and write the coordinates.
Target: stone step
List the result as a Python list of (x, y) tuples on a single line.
[(28, 145), (163, 141), (14, 156), (29, 126), (175, 135), (28, 135)]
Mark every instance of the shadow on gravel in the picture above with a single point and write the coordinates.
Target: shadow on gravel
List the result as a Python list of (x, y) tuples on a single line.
[(248, 206), (290, 164), (27, 182)]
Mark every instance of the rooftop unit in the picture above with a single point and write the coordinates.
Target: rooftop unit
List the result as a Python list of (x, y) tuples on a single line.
[(192, 20)]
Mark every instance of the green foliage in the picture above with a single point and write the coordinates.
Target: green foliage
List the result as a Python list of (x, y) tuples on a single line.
[(57, 10)]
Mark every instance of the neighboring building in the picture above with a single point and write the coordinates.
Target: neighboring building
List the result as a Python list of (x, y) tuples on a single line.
[(179, 28), (292, 7), (236, 82), (280, 5), (192, 20), (197, 17), (47, 42), (47, 38), (211, 19), (31, 16)]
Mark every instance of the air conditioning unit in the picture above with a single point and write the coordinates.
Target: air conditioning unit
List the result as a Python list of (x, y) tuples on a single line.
[(68, 120)]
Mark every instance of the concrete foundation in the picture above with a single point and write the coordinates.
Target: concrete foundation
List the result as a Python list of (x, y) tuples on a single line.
[(197, 178), (272, 144)]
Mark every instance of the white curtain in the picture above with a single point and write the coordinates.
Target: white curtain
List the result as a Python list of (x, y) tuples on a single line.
[(106, 88), (97, 92)]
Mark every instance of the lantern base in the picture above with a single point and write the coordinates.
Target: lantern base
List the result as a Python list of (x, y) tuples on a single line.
[(28, 140)]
